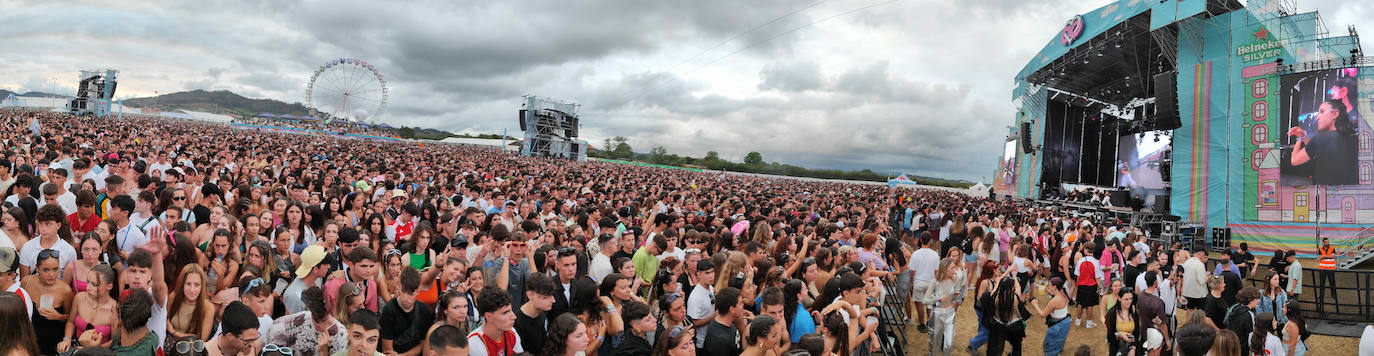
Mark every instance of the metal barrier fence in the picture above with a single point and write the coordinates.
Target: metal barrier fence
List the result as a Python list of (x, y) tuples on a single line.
[(1338, 295)]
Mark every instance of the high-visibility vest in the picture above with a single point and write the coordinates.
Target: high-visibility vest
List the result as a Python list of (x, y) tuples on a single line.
[(1326, 258)]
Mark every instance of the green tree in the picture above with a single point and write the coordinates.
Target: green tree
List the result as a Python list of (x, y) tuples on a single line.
[(406, 132), (607, 146), (711, 156), (753, 158), (657, 154), (622, 150)]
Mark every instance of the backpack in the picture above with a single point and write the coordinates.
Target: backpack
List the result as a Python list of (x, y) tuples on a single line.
[(1230, 312), (100, 201)]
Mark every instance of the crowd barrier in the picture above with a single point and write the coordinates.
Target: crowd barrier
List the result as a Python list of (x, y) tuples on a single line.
[(1327, 295)]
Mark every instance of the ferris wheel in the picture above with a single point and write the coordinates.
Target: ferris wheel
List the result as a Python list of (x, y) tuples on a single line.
[(346, 88)]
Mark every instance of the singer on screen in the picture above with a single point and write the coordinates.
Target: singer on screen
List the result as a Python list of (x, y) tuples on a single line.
[(1332, 149)]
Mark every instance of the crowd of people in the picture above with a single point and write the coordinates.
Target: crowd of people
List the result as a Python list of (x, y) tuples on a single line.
[(340, 126), (157, 236)]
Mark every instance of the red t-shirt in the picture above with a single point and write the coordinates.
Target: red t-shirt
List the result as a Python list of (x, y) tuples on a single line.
[(1087, 273), (83, 226)]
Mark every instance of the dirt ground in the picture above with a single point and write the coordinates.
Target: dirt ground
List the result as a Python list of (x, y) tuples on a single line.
[(966, 326)]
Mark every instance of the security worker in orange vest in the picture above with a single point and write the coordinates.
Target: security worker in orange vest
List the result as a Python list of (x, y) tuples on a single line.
[(1326, 265)]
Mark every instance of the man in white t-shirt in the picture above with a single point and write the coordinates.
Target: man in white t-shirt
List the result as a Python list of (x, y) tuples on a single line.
[(701, 305), (924, 262), (601, 263), (127, 236)]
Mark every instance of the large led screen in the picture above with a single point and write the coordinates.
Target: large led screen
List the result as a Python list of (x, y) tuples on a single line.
[(1319, 127), (1139, 157)]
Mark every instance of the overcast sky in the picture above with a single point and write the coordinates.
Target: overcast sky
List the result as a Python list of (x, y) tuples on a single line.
[(919, 86)]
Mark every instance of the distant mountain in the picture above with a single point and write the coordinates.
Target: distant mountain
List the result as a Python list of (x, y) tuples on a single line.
[(6, 93), (219, 102)]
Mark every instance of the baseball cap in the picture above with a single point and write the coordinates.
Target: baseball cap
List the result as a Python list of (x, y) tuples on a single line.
[(9, 260), (459, 241), (397, 193), (310, 257)]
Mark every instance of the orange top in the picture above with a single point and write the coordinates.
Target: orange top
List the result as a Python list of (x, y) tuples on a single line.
[(1326, 258), (431, 296)]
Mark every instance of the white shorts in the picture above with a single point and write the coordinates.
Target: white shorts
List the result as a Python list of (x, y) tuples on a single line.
[(918, 289)]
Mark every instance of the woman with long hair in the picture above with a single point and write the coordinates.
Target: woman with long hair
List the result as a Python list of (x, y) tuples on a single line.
[(1226, 343), (1273, 298), (349, 300), (52, 301), (1006, 324), (356, 207), (89, 253), (798, 319), (1056, 314), (1123, 329), (825, 270), (190, 313), (987, 278), (13, 226), (18, 338), (418, 254), (221, 261), (944, 294), (1331, 149), (1295, 330), (765, 337), (451, 310), (1264, 339), (614, 292), (93, 311), (259, 255), (295, 222), (282, 257), (672, 312), (585, 305), (675, 342), (568, 336)]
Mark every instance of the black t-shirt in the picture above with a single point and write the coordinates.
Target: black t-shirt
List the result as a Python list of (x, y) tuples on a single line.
[(532, 331), (619, 254), (1233, 285), (202, 214), (405, 329), (1243, 258), (722, 340), (1216, 310), (1333, 158)]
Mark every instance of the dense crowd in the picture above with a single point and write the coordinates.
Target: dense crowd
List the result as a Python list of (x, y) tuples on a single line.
[(148, 236), (340, 126)]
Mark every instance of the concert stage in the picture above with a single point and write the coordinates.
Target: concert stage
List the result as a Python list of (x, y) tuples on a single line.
[(1229, 116)]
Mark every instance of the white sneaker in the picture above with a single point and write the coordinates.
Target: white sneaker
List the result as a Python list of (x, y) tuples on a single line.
[(1090, 324), (1077, 322)]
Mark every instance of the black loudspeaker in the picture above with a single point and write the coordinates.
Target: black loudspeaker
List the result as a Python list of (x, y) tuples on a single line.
[(1025, 138), (1166, 101), (1221, 239), (522, 119), (1166, 170), (1161, 203)]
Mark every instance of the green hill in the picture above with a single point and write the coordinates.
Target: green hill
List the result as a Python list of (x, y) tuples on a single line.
[(219, 102)]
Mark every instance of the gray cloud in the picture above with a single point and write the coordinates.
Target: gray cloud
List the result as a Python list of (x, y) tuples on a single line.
[(918, 86)]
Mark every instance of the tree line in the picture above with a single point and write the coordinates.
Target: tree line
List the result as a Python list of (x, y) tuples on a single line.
[(618, 148)]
